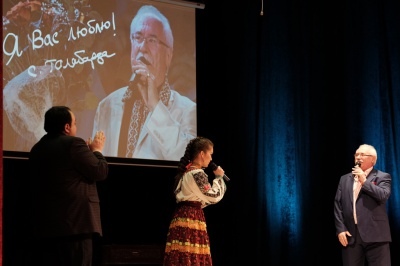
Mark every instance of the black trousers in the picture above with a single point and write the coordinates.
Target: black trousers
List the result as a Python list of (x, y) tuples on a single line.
[(376, 254), (76, 250)]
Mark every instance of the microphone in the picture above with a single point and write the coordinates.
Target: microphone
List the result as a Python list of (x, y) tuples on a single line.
[(358, 163), (214, 167), (135, 78)]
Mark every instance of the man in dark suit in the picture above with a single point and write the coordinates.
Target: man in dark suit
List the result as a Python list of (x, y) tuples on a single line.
[(361, 221), (65, 203)]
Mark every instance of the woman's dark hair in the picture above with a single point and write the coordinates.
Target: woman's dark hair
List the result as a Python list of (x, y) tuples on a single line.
[(193, 148), (55, 119)]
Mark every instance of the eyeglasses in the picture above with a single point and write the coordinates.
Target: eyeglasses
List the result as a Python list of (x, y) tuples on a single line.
[(362, 155), (151, 41)]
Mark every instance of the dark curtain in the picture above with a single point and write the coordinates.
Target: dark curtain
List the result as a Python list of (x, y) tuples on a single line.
[(287, 97)]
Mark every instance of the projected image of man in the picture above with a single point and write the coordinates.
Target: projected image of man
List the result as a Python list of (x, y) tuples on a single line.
[(147, 119)]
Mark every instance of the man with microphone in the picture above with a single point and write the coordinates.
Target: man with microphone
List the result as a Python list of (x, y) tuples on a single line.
[(361, 221), (147, 119)]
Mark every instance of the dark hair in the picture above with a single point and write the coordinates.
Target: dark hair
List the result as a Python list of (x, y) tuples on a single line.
[(193, 148), (56, 118)]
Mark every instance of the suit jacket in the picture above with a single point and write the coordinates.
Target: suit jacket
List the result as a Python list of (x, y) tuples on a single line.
[(164, 135), (63, 175), (372, 219)]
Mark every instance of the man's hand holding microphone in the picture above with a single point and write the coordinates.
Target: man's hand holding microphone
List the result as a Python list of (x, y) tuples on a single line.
[(359, 173)]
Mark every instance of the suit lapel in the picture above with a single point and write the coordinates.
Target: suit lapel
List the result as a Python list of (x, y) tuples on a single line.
[(350, 184)]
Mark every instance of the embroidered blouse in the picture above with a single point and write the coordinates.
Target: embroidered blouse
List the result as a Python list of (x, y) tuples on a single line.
[(194, 186)]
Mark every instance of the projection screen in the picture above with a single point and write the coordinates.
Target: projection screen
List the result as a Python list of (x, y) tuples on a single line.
[(78, 53)]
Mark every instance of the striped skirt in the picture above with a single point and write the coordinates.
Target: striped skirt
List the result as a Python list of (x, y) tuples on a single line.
[(187, 239)]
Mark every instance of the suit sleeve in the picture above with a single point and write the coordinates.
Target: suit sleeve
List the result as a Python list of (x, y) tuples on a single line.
[(92, 165), (338, 210), (379, 187)]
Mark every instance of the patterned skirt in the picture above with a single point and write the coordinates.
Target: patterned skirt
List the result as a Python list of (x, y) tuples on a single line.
[(187, 239)]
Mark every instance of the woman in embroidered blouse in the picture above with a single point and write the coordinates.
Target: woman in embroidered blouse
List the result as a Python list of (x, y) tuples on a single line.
[(187, 238)]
